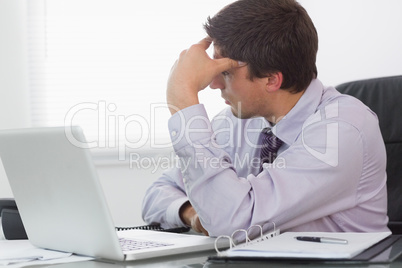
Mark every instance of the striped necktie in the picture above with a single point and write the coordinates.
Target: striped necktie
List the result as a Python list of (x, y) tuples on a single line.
[(269, 146)]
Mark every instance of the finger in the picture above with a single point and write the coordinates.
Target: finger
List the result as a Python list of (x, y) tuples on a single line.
[(227, 63), (201, 228), (205, 232), (196, 224), (206, 42)]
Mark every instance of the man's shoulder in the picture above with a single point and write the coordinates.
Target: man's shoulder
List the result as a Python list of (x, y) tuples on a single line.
[(335, 106)]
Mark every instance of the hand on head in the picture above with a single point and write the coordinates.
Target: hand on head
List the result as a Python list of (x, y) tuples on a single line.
[(192, 72)]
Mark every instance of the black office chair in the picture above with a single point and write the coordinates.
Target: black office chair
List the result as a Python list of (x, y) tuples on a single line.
[(384, 97)]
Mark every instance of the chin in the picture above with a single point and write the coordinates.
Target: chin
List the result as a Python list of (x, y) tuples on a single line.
[(241, 114)]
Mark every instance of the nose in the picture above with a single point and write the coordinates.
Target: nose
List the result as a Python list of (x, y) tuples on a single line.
[(217, 83)]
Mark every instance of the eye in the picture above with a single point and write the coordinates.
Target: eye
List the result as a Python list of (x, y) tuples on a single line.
[(225, 73)]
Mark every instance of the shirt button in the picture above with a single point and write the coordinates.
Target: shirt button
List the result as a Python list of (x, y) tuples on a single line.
[(174, 133), (184, 180)]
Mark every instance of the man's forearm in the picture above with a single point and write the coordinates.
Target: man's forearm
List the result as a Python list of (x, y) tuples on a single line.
[(162, 201)]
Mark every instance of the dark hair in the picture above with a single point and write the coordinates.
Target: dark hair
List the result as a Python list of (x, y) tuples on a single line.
[(269, 35)]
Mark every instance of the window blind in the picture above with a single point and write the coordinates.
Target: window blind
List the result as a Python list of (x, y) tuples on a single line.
[(103, 65)]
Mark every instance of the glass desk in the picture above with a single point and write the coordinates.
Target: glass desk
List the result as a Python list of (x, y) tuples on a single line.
[(199, 260)]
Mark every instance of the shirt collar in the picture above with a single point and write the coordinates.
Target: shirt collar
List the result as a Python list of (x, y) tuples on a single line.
[(289, 128)]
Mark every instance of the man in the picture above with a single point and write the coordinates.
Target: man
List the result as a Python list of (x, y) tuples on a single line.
[(329, 171)]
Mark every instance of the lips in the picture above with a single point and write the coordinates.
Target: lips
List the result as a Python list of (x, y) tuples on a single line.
[(226, 101)]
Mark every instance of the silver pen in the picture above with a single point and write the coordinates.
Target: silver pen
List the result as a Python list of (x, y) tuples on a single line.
[(322, 239)]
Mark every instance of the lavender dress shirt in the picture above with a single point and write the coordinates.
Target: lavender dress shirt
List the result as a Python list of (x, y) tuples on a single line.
[(329, 174)]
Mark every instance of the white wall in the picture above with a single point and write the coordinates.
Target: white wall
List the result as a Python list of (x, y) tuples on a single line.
[(124, 187), (14, 105), (358, 39), (126, 181)]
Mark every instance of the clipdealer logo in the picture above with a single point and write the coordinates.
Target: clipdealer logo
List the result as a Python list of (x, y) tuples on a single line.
[(113, 129)]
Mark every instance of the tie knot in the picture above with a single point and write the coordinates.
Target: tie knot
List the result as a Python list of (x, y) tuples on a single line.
[(269, 146), (270, 141)]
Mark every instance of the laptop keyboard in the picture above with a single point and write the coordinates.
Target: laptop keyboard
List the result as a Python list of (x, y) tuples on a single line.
[(132, 244)]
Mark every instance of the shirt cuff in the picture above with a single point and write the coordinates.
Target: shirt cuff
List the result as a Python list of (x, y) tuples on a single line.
[(188, 126), (172, 213)]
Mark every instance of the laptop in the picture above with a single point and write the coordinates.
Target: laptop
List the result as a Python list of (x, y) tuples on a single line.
[(62, 204)]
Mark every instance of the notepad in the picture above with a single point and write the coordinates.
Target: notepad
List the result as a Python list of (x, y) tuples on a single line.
[(287, 246)]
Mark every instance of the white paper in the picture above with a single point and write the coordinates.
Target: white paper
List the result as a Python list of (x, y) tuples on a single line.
[(286, 246), (20, 253)]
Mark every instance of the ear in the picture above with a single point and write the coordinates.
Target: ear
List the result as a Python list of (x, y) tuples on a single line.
[(274, 81)]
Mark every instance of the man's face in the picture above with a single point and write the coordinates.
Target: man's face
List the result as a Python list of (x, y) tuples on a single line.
[(243, 95)]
